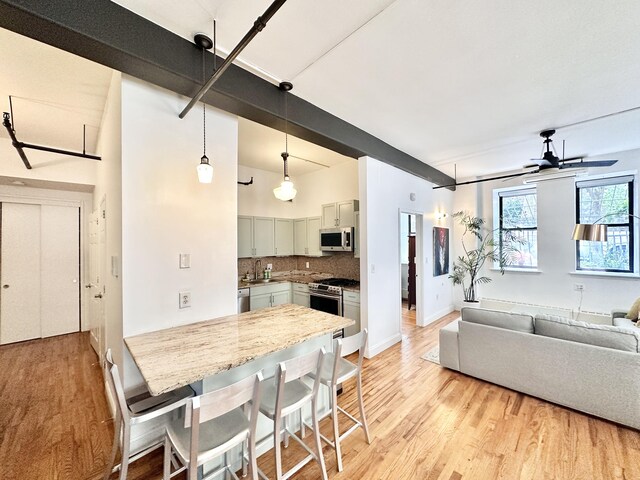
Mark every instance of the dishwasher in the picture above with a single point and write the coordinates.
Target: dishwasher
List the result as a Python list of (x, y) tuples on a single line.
[(243, 300)]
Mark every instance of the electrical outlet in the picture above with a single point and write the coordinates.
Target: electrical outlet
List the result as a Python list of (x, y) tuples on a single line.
[(578, 287), (269, 266), (307, 264), (185, 299)]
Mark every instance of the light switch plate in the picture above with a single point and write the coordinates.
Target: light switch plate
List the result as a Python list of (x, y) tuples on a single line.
[(184, 299), (185, 260)]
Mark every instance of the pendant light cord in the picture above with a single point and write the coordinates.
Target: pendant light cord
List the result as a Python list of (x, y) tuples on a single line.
[(204, 113)]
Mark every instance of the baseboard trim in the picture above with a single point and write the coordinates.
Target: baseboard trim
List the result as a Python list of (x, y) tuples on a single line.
[(382, 346), (436, 315)]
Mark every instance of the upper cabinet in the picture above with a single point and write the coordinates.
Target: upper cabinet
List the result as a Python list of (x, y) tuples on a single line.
[(256, 237), (283, 237), (300, 240), (339, 214), (306, 234)]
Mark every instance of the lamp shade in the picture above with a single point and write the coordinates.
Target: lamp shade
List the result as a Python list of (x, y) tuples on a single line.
[(590, 233), (205, 170), (286, 191)]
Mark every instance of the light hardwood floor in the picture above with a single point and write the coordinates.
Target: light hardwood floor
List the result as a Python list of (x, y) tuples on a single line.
[(426, 422)]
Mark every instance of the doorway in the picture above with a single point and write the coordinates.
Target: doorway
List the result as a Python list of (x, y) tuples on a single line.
[(411, 261)]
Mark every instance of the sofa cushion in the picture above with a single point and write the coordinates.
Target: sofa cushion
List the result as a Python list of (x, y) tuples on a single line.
[(496, 318), (607, 336)]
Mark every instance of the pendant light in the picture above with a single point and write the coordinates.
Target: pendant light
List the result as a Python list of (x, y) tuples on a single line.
[(205, 170), (286, 191)]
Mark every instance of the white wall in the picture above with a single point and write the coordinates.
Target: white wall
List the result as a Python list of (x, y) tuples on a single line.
[(322, 186), (384, 193), (554, 285), (109, 187), (165, 212), (258, 199)]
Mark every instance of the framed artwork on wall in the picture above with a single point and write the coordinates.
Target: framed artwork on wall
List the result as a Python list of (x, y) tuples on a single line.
[(440, 251)]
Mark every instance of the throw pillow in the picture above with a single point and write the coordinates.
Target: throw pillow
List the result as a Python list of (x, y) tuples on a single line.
[(632, 314)]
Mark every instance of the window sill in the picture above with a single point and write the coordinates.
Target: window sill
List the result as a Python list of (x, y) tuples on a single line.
[(605, 274), (518, 270)]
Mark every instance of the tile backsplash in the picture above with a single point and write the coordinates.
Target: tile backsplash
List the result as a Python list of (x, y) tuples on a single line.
[(340, 264)]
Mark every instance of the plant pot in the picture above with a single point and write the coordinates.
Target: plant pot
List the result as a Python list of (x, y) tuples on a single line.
[(475, 303)]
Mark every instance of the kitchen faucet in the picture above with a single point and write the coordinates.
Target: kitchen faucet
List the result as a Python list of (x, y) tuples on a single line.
[(256, 268)]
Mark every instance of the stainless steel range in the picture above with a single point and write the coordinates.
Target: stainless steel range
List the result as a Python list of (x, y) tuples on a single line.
[(326, 296)]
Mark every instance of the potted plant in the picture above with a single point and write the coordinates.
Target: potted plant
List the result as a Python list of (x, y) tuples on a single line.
[(487, 248)]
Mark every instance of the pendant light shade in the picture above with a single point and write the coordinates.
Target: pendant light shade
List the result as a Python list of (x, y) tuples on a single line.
[(286, 191), (205, 170)]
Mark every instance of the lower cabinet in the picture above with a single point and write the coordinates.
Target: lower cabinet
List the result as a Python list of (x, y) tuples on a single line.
[(264, 296), (351, 310), (300, 294)]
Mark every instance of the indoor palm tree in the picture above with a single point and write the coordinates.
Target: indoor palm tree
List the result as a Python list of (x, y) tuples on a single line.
[(489, 247)]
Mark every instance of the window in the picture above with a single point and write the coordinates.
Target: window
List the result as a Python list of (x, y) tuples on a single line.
[(607, 201), (519, 221)]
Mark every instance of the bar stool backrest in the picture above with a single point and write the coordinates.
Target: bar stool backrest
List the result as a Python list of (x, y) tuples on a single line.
[(214, 404), (346, 346), (116, 388), (296, 368)]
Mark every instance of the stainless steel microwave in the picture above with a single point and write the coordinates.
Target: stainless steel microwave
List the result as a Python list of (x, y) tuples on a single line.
[(336, 239)]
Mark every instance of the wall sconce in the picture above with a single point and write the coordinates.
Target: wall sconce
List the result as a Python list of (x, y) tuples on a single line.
[(441, 216)]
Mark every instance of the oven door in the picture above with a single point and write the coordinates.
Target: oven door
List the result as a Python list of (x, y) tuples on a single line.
[(326, 303)]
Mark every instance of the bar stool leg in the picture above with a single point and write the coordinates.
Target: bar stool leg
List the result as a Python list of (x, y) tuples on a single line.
[(286, 433), (166, 474), (365, 426), (302, 427), (316, 434), (277, 436), (336, 426), (116, 443), (124, 463)]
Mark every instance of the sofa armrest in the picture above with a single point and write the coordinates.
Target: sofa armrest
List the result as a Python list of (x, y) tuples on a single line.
[(618, 313), (449, 349)]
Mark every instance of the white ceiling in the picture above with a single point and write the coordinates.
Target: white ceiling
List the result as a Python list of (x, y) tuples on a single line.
[(54, 94), (260, 147), (466, 83)]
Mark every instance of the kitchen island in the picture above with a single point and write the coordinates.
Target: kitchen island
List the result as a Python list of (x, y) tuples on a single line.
[(179, 356)]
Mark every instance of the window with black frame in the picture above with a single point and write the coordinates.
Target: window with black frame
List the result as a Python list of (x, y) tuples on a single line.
[(607, 201), (519, 220)]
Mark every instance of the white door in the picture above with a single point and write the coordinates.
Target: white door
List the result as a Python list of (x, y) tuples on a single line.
[(263, 237), (345, 212), (97, 284), (313, 236), (256, 302), (59, 270), (280, 298), (20, 260), (329, 215)]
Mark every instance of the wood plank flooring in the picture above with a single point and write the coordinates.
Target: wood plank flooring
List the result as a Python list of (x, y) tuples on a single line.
[(426, 422)]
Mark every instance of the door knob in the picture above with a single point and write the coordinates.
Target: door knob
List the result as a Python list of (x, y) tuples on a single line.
[(99, 295), (5, 286)]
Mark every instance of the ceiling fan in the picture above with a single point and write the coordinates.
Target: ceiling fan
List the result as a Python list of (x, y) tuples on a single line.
[(549, 162)]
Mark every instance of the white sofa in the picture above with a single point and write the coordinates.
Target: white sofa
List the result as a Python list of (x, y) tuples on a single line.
[(587, 367)]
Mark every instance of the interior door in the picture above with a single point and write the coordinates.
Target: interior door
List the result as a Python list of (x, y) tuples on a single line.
[(20, 264), (412, 271), (94, 322), (59, 270), (97, 281)]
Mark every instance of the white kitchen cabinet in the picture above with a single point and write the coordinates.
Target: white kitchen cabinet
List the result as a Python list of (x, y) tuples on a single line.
[(245, 237), (313, 236), (356, 236), (300, 294), (300, 239), (263, 237), (339, 214), (269, 295), (351, 310), (283, 237)]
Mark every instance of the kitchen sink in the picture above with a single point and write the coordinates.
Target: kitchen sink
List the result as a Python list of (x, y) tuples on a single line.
[(259, 280)]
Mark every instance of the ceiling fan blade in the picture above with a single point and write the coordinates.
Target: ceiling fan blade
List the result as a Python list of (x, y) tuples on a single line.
[(571, 159), (594, 163), (501, 177)]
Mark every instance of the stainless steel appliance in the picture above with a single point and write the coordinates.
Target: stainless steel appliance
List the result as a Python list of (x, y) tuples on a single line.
[(336, 239), (243, 300)]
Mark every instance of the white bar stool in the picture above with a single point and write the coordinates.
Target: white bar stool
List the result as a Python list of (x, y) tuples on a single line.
[(336, 370), (136, 408), (214, 424), (286, 395)]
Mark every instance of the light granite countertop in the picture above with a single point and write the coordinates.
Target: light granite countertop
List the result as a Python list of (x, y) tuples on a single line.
[(175, 357), (296, 276)]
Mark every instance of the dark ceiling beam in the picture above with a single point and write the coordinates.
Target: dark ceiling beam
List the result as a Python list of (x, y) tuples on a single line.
[(111, 35)]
